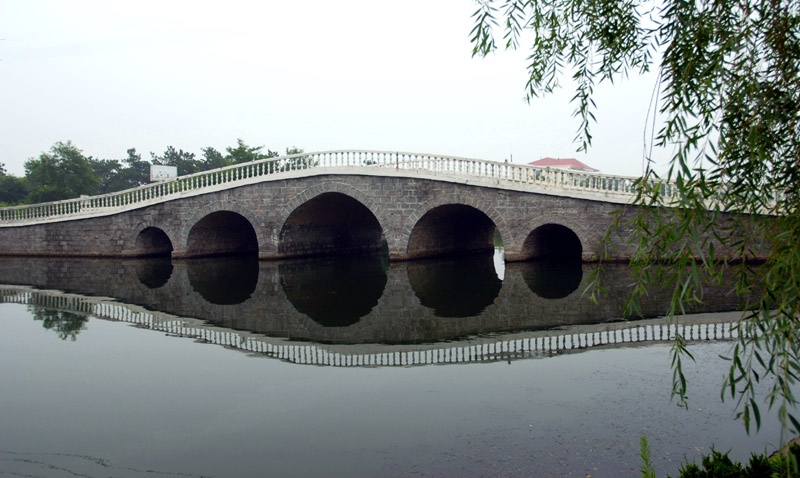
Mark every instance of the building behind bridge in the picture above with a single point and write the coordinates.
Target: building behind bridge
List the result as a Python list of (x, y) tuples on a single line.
[(564, 163)]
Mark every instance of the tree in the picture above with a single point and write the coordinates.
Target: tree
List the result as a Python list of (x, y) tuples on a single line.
[(213, 159), (729, 92), (136, 171), (63, 173), (243, 153), (108, 173), (13, 190), (181, 159)]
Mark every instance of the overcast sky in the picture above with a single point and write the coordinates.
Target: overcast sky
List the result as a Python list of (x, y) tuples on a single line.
[(316, 74)]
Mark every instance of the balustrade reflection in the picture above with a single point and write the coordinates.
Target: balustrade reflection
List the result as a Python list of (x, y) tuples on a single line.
[(66, 315)]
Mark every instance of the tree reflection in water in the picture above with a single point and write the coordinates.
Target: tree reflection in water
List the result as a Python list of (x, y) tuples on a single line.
[(66, 324)]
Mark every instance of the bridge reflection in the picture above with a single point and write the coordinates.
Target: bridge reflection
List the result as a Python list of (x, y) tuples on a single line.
[(334, 291), (225, 280), (461, 287), (550, 279), (352, 300), (503, 347)]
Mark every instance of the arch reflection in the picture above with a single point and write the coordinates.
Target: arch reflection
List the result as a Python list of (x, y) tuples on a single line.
[(552, 279), (154, 273), (334, 291), (224, 280), (455, 287)]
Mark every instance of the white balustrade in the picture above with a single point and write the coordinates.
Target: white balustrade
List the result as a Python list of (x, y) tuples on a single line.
[(501, 174)]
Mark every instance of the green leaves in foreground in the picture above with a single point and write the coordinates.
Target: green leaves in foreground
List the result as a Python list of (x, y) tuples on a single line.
[(728, 105)]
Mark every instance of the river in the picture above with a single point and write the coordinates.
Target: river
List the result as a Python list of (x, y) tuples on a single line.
[(349, 367)]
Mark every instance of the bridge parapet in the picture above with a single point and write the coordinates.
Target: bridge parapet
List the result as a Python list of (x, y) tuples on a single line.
[(617, 189)]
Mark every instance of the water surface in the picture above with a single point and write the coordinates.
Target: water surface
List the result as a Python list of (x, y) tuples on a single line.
[(324, 368)]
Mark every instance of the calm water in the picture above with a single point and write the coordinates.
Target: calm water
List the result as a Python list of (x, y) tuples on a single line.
[(228, 368)]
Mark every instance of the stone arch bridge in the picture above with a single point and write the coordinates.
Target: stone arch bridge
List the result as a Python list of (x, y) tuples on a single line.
[(337, 202)]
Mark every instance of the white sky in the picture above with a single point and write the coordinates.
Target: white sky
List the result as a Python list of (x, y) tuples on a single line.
[(316, 74)]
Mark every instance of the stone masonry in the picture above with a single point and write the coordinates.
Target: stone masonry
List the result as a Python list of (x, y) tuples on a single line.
[(369, 206)]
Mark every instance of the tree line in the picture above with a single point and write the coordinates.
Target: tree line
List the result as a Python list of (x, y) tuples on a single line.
[(64, 172)]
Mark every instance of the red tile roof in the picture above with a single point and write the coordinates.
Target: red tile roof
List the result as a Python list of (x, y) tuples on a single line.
[(565, 163)]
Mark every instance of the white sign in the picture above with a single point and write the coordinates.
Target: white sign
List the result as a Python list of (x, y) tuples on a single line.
[(162, 173)]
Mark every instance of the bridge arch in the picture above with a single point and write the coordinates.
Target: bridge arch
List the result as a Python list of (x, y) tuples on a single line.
[(450, 224), (330, 218), (151, 240), (552, 241), (220, 228)]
